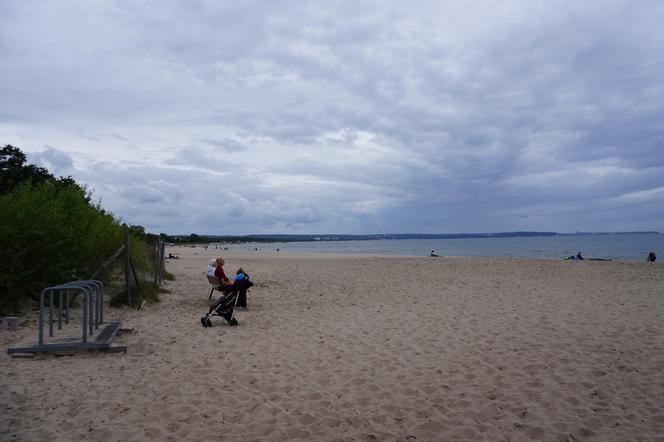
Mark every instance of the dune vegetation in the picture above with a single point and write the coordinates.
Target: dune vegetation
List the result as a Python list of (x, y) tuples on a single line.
[(51, 232)]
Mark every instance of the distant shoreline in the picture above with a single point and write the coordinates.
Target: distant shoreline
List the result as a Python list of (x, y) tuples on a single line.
[(618, 247), (276, 238)]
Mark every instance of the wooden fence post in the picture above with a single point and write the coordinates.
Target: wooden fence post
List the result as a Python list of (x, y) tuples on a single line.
[(157, 264), (162, 259), (127, 266)]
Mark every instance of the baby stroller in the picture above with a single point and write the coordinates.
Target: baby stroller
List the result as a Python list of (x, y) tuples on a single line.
[(225, 306)]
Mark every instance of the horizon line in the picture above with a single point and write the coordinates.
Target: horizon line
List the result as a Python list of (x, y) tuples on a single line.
[(514, 232)]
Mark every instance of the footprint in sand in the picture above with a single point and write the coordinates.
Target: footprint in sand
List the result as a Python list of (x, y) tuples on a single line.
[(307, 419), (433, 426), (330, 422), (173, 427), (572, 401)]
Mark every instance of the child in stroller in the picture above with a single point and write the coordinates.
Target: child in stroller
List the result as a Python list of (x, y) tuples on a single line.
[(225, 306)]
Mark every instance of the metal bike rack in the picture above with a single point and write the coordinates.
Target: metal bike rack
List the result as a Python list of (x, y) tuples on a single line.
[(92, 296)]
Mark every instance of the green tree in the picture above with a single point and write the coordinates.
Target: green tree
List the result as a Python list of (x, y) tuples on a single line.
[(14, 170), (138, 231)]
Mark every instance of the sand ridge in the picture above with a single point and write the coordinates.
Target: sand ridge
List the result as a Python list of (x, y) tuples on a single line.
[(366, 348)]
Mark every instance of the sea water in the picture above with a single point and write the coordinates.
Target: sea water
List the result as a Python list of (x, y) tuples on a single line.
[(616, 247)]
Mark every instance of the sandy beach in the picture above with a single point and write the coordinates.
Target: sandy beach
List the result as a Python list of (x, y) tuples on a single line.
[(348, 348)]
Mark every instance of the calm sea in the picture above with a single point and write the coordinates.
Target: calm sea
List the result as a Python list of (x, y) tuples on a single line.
[(617, 247)]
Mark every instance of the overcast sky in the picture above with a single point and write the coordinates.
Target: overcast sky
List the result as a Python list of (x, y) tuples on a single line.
[(439, 116)]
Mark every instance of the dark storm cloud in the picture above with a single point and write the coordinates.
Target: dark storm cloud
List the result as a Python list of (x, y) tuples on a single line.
[(349, 117)]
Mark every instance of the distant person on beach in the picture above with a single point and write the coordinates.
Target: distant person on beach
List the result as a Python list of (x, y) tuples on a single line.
[(573, 257), (433, 253), (651, 257)]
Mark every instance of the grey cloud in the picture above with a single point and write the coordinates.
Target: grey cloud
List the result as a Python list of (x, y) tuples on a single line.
[(226, 145), (200, 159), (524, 118), (58, 162)]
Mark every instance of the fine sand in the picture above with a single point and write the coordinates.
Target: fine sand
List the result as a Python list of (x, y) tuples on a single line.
[(364, 348)]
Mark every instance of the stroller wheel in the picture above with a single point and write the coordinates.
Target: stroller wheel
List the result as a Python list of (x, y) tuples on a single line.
[(203, 321), (208, 321), (233, 322)]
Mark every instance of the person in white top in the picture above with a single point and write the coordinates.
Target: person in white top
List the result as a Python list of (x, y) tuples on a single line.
[(212, 266)]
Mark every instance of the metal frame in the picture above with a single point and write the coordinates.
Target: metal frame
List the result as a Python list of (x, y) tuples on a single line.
[(92, 295)]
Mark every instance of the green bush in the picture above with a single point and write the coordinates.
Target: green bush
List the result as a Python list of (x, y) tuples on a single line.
[(51, 233)]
